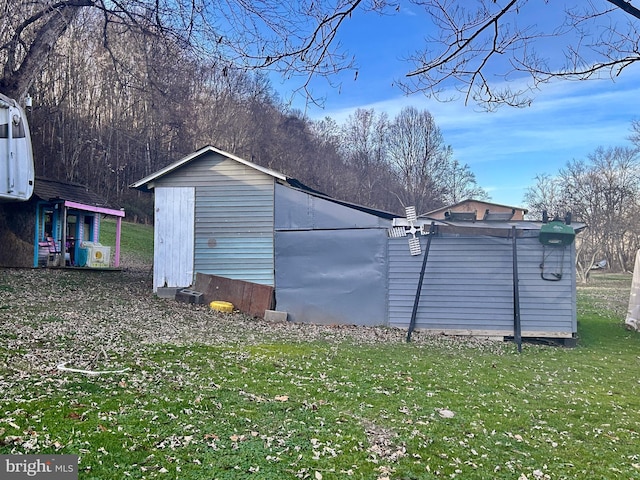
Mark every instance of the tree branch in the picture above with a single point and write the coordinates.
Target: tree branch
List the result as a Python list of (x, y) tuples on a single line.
[(627, 7), (493, 21), (17, 79)]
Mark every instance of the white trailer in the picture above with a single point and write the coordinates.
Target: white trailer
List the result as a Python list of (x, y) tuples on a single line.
[(16, 154)]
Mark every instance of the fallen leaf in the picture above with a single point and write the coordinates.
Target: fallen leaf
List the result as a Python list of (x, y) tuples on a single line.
[(445, 413), (282, 398)]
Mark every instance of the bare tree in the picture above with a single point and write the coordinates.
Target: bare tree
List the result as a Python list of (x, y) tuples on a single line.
[(545, 195), (334, 176), (294, 38), (419, 157), (479, 46), (104, 127), (460, 184), (603, 192), (364, 144), (635, 133), (473, 45)]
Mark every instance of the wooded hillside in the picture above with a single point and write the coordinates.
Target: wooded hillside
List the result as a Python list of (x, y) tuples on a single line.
[(106, 115)]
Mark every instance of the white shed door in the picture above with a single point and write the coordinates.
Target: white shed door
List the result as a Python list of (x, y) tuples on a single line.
[(173, 237)]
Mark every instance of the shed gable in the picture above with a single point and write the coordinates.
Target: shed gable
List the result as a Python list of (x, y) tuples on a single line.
[(234, 210)]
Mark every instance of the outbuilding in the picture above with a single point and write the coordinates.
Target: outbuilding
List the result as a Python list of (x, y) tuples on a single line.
[(334, 262), (59, 226)]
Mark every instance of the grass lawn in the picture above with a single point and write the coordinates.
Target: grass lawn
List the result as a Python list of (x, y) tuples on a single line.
[(134, 238), (207, 395)]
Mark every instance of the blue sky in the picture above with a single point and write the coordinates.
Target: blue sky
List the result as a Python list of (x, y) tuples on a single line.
[(505, 149)]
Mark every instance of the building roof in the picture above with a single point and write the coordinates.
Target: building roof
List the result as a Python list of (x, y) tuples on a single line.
[(147, 183), (73, 194), (469, 200), (523, 228)]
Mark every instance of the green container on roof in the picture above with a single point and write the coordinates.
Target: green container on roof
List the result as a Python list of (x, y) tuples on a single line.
[(557, 233)]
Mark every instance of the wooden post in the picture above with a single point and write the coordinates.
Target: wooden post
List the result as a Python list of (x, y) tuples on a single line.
[(36, 240), (116, 255), (63, 239)]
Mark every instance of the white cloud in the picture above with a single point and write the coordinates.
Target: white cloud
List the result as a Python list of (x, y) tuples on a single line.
[(508, 147)]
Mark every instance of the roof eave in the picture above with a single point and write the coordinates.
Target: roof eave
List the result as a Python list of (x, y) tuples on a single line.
[(147, 183)]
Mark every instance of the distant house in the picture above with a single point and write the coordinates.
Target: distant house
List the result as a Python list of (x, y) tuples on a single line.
[(334, 262), (478, 210), (59, 226)]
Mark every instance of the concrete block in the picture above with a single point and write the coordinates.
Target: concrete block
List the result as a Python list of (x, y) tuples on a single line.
[(167, 292), (275, 316), (187, 295)]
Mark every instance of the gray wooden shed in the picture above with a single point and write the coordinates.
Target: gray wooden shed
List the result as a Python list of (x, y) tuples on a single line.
[(331, 262)]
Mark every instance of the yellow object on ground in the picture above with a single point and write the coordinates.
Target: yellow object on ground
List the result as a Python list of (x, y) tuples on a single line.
[(221, 306)]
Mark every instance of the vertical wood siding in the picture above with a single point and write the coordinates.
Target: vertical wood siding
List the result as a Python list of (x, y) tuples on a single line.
[(173, 237), (468, 287)]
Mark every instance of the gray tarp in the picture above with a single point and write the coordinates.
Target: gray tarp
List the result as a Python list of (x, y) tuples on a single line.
[(332, 276)]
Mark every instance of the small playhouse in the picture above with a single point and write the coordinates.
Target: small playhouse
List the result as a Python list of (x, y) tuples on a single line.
[(220, 219), (59, 226)]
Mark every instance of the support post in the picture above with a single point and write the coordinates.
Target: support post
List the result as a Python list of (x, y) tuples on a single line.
[(517, 326), (116, 259), (37, 235), (412, 323), (63, 237)]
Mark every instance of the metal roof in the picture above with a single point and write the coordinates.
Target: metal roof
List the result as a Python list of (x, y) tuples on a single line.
[(524, 228), (146, 183), (468, 200)]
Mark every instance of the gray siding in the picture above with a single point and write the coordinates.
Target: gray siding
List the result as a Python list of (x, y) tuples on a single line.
[(468, 287), (547, 306), (234, 211), (332, 276), (331, 261)]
